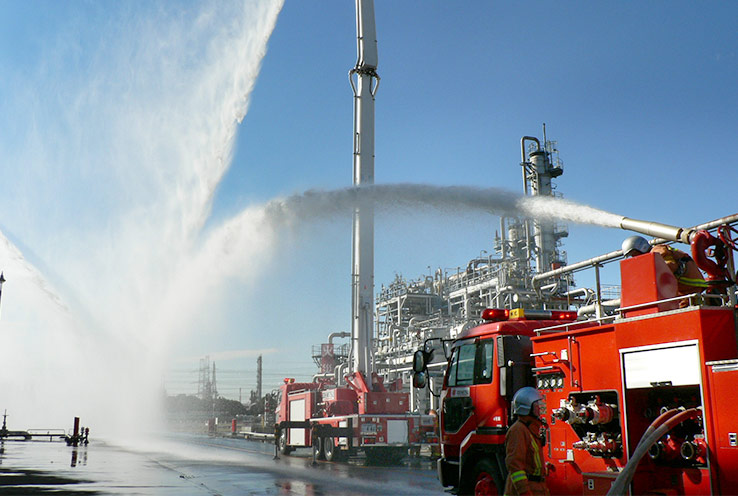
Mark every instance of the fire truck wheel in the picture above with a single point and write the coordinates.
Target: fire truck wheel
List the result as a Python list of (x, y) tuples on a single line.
[(485, 480), (331, 451), (318, 450), (283, 448)]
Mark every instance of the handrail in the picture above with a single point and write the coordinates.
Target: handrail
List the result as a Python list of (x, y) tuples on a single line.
[(606, 318)]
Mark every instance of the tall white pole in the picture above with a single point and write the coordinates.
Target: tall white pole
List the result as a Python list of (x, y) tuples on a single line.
[(364, 82)]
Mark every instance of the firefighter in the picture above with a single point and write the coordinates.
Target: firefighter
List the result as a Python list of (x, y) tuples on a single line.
[(277, 435), (688, 275), (524, 446)]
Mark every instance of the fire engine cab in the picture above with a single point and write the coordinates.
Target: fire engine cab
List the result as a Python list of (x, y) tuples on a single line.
[(638, 401)]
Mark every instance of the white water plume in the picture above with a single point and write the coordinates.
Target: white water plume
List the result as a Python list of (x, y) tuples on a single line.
[(550, 208), (122, 132), (245, 242), (314, 203)]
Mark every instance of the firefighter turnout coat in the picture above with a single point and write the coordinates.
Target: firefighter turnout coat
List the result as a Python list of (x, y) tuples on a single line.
[(524, 458), (685, 270)]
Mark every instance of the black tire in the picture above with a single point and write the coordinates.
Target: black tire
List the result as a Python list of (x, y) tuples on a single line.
[(485, 480), (331, 450), (318, 451), (283, 447)]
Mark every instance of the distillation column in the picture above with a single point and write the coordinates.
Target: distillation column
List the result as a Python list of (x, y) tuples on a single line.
[(538, 171)]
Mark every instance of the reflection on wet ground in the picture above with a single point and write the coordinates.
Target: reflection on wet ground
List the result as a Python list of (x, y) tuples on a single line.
[(198, 465)]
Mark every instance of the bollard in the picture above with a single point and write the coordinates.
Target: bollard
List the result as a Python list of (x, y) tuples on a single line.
[(75, 433)]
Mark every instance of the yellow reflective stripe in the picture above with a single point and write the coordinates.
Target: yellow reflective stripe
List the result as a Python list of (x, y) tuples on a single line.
[(536, 458), (693, 282), (518, 476)]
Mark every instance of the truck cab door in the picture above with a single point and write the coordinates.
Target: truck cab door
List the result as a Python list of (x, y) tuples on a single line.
[(514, 364), (457, 404)]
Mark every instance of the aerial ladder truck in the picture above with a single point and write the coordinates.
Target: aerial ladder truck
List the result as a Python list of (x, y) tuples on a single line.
[(341, 416)]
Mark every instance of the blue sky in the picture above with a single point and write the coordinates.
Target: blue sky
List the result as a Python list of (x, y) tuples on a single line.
[(638, 96), (101, 103)]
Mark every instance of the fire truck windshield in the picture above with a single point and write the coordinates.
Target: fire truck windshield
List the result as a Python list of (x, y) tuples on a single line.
[(461, 372), (471, 363)]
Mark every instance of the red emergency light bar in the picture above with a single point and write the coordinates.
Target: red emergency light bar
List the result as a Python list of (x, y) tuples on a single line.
[(495, 314), (564, 315), (502, 314)]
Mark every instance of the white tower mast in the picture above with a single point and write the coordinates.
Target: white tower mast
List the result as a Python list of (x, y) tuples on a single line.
[(364, 82)]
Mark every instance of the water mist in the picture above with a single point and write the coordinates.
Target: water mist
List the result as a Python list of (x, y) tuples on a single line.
[(122, 134)]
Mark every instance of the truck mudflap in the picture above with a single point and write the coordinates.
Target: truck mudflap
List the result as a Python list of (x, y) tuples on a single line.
[(448, 472)]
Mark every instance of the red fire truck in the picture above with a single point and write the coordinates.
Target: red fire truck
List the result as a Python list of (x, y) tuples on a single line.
[(642, 400), (339, 421)]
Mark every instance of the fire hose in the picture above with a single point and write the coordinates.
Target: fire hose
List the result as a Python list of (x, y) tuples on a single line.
[(654, 432)]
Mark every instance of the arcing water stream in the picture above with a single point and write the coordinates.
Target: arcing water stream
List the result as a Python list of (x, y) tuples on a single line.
[(111, 202), (448, 198), (119, 128)]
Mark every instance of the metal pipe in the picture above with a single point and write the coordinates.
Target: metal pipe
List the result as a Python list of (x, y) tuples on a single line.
[(591, 308), (339, 373), (528, 249), (332, 335), (524, 156), (730, 219), (598, 290), (586, 292), (476, 262), (503, 242), (579, 265), (665, 233), (657, 229), (524, 160)]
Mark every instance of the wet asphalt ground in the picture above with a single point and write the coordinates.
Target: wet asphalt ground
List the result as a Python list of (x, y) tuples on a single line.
[(198, 465)]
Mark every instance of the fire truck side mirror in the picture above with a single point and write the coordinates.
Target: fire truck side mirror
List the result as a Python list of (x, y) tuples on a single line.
[(446, 348), (419, 380), (419, 362)]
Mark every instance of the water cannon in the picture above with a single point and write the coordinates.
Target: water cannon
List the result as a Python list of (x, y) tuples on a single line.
[(658, 230)]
